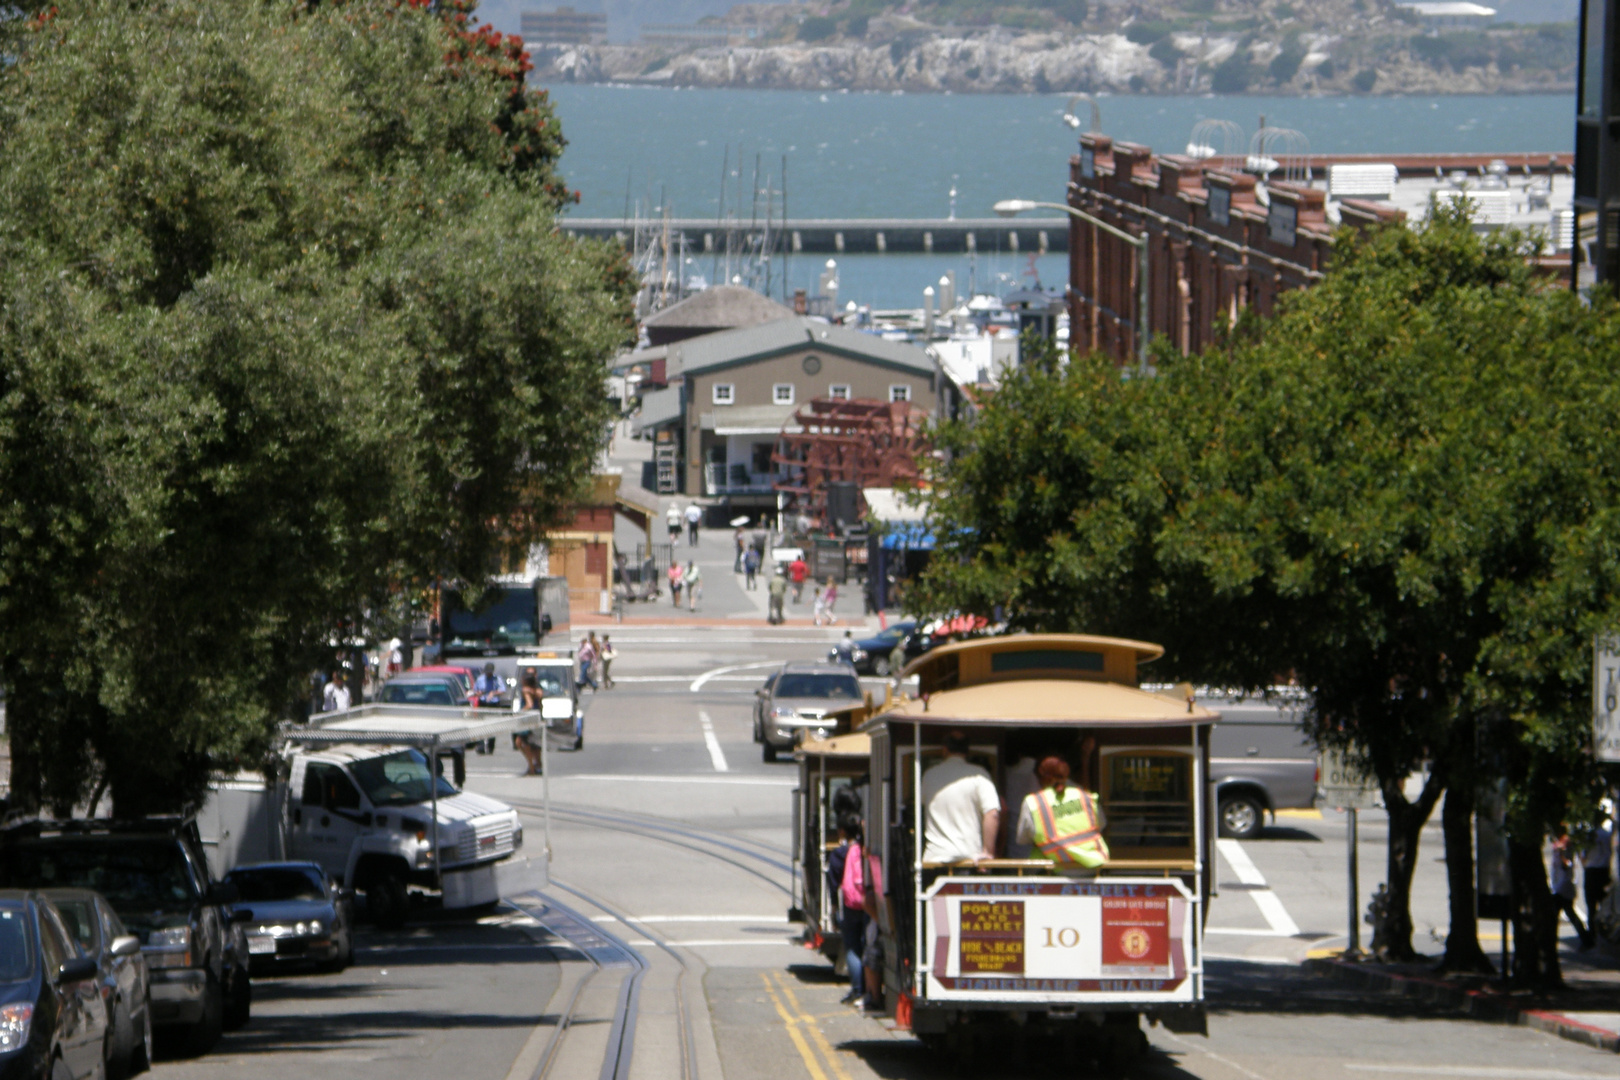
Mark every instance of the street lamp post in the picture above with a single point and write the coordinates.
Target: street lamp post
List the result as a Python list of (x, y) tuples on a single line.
[(1013, 207)]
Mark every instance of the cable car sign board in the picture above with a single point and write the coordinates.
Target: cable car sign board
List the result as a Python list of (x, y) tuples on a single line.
[(1059, 940)]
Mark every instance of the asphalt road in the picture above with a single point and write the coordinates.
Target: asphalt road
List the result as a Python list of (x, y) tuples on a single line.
[(670, 837)]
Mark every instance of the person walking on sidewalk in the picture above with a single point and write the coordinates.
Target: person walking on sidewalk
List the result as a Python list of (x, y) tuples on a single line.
[(608, 655), (1561, 881), (694, 586), (825, 599), (675, 583), (586, 657), (694, 517), (672, 518), (778, 590), (742, 542), (750, 569), (1597, 861), (798, 570)]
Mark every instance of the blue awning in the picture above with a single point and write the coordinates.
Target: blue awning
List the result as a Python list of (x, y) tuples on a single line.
[(910, 535)]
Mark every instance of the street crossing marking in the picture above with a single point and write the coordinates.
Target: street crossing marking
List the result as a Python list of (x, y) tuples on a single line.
[(1266, 900), (716, 755), (699, 682)]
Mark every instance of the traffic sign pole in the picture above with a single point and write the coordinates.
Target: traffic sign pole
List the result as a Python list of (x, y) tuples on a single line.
[(1353, 951)]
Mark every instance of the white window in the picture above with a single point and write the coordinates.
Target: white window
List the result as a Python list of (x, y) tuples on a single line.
[(899, 393), (725, 393), (782, 393), (838, 391)]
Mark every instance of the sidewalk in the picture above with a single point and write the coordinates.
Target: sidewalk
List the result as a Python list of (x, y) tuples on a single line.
[(1586, 1010)]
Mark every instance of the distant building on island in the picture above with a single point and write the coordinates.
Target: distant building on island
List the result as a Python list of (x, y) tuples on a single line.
[(696, 35), (1449, 14), (565, 26)]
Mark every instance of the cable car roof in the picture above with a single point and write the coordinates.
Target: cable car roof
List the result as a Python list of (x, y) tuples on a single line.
[(1054, 702), (1020, 657), (839, 746)]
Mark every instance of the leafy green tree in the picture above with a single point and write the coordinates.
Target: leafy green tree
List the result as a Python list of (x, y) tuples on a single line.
[(286, 331), (1384, 491)]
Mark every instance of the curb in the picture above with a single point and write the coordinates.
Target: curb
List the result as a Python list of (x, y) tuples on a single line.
[(1476, 1003)]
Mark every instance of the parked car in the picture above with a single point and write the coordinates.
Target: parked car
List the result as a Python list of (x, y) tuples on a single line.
[(53, 1021), (870, 655), (1261, 761), (121, 971), (463, 675), (154, 874), (417, 688), (297, 915), (798, 698)]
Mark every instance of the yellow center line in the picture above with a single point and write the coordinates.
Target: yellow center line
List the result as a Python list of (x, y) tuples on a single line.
[(815, 1030), (793, 1031)]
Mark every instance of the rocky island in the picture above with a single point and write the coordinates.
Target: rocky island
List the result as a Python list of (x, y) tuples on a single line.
[(1051, 46)]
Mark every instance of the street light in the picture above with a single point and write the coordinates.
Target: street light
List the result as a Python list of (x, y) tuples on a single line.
[(1013, 207)]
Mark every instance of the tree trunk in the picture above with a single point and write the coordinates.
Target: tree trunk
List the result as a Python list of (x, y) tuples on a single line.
[(1462, 940), (1406, 821), (1535, 921)]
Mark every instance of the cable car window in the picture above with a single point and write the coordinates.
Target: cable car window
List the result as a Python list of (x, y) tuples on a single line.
[(1046, 660)]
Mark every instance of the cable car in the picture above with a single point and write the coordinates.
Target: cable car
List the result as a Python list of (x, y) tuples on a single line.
[(975, 951), (832, 772)]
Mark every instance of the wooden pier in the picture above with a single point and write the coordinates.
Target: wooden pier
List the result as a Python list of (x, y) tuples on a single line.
[(848, 236)]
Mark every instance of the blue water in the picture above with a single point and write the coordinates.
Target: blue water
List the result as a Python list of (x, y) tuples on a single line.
[(898, 155)]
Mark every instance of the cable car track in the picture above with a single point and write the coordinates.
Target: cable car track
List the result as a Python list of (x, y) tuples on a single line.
[(667, 833)]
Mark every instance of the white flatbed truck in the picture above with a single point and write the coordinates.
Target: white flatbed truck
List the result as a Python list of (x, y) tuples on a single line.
[(360, 793)]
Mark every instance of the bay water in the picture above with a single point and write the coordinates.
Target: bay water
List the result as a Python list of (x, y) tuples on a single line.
[(632, 149)]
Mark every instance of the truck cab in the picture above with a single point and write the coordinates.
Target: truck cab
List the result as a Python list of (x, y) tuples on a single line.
[(369, 815), (560, 706)]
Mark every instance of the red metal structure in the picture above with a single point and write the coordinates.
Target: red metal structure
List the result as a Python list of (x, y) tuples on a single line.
[(864, 442)]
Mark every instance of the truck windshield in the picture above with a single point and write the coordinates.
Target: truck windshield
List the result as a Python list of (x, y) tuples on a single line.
[(134, 875), (397, 779), (843, 687), (505, 622), (16, 944), (549, 678)]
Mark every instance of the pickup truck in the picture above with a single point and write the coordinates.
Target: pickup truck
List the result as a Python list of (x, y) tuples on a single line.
[(362, 794)]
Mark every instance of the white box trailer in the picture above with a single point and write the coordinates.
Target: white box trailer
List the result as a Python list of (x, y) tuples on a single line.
[(361, 793)]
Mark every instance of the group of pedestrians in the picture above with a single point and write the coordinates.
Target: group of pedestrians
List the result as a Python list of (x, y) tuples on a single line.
[(1597, 862), (691, 517), (596, 658), (688, 579)]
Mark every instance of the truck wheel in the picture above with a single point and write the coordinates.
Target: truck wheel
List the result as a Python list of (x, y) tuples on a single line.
[(1240, 816), (202, 1035), (239, 1004), (387, 902)]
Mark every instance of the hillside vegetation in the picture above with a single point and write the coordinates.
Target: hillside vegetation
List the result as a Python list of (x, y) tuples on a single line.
[(1170, 46)]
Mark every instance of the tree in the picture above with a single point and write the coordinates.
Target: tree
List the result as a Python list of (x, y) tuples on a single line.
[(286, 330), (1373, 491)]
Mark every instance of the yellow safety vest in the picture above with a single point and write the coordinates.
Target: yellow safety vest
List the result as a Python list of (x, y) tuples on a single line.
[(1066, 831)]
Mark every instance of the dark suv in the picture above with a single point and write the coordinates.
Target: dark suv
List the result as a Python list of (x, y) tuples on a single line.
[(155, 876)]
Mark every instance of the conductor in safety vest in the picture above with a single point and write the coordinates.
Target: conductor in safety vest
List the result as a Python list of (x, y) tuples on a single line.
[(1064, 823)]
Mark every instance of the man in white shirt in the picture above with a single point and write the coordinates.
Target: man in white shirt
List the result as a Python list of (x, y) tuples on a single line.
[(962, 807), (694, 517), (337, 694)]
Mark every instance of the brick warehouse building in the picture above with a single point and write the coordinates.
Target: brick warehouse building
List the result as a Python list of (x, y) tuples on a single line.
[(1221, 240)]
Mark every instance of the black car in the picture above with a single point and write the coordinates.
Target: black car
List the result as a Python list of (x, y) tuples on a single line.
[(870, 655), (53, 1022), (121, 971), (153, 873), (297, 916)]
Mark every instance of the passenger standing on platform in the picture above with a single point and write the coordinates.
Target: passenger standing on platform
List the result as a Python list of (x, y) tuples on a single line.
[(962, 807), (1064, 823), (851, 891)]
